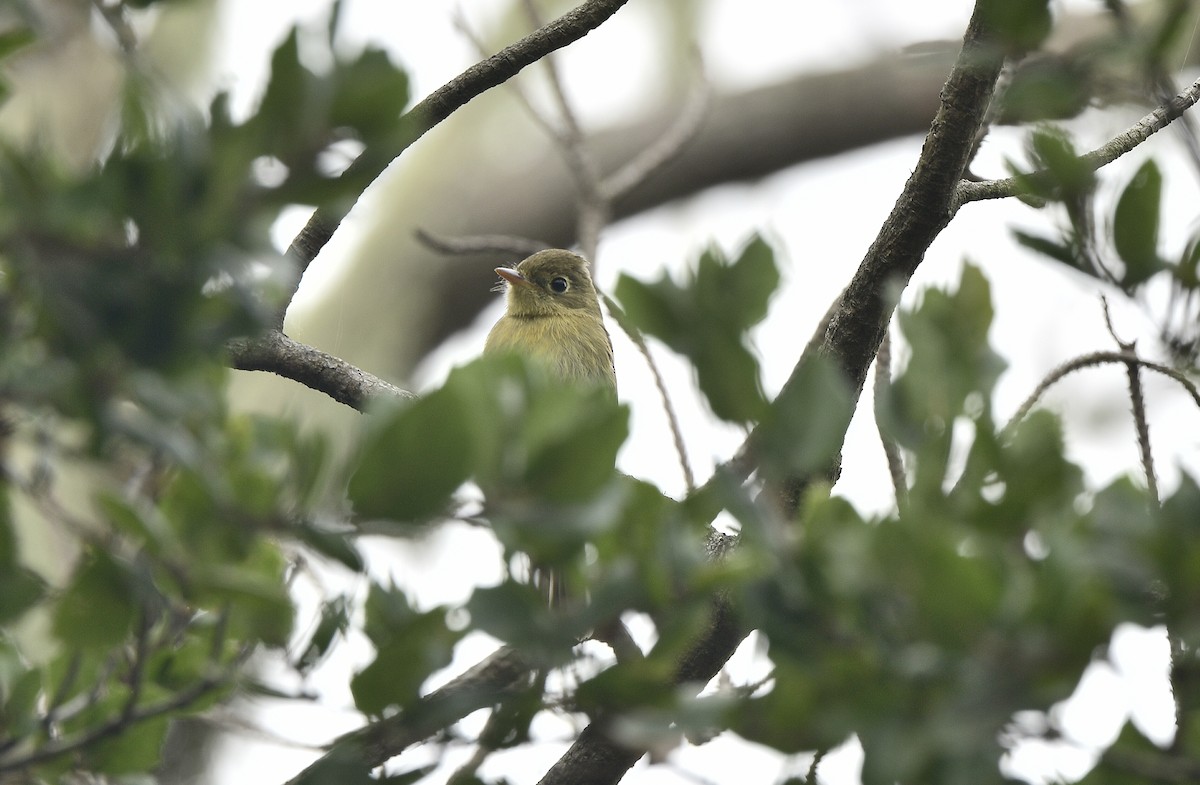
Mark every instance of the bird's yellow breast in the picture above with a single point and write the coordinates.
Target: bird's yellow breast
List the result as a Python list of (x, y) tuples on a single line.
[(574, 345)]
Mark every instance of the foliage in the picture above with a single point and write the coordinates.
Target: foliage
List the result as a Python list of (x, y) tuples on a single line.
[(995, 581)]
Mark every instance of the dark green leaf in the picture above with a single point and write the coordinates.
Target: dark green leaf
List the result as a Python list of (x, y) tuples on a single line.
[(337, 545), (706, 317), (414, 460), (409, 647), (1067, 175), (335, 619), (1066, 253), (518, 614), (98, 608), (14, 39), (1021, 25), (805, 425), (1135, 225), (1046, 88)]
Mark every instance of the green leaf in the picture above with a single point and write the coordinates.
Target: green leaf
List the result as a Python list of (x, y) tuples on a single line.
[(253, 591), (1135, 225), (20, 588), (1021, 25), (518, 614), (951, 357), (705, 318), (416, 458), (334, 621), (806, 423), (1046, 88), (14, 39), (409, 646), (100, 605), (1066, 253), (1053, 151), (577, 462)]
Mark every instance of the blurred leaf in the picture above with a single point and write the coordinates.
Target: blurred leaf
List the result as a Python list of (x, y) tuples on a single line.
[(409, 647), (137, 748), (334, 621), (99, 606), (1021, 25), (518, 615), (336, 545), (706, 317), (1068, 254), (535, 436), (1187, 272), (951, 363), (20, 692), (252, 593), (1135, 225), (1046, 88), (14, 39), (416, 458), (803, 429), (577, 461), (1068, 177), (19, 587)]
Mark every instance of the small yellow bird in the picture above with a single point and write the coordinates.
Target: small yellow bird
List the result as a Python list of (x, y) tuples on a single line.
[(553, 315)]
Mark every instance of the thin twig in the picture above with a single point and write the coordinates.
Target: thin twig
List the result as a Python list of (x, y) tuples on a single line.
[(666, 148), (635, 335), (810, 778), (1102, 156), (1088, 361), (61, 747), (495, 244), (1138, 403), (883, 384)]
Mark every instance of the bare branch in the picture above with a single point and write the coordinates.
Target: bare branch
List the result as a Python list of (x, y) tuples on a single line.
[(1138, 404), (1088, 361), (275, 352), (503, 673), (498, 244), (665, 149), (1102, 156)]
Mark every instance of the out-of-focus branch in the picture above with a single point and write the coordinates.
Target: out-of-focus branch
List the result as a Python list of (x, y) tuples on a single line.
[(503, 673), (275, 352)]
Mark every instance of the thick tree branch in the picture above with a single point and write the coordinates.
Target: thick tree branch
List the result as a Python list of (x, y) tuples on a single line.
[(852, 338), (1102, 156), (275, 352), (443, 102)]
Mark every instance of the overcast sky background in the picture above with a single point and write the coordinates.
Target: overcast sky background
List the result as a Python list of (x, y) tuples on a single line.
[(821, 217)]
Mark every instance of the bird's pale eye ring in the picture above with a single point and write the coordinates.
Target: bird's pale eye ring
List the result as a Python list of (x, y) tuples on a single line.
[(559, 285)]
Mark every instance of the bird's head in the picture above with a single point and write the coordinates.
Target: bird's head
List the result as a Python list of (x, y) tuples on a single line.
[(549, 283)]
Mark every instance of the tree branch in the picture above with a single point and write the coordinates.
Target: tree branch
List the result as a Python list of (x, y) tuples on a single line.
[(275, 352), (503, 673), (1102, 156)]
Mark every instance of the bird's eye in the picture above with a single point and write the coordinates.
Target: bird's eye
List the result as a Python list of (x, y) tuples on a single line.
[(559, 285)]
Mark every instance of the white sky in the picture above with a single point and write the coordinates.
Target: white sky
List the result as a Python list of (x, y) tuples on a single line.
[(823, 216)]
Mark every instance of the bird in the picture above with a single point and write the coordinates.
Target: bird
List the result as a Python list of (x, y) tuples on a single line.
[(552, 316)]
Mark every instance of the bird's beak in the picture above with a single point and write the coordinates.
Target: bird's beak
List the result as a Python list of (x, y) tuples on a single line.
[(512, 276)]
